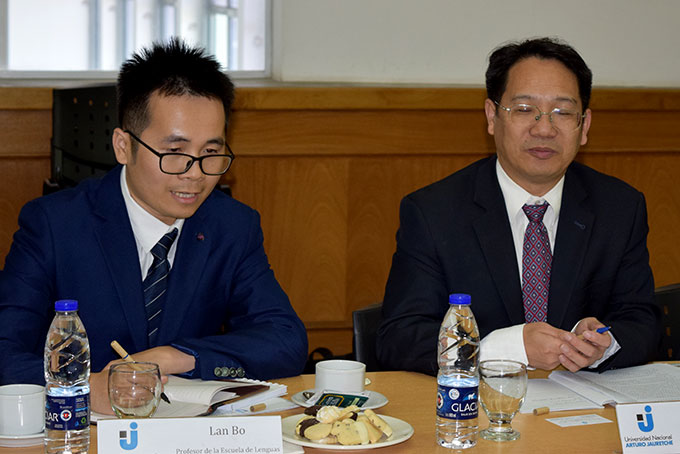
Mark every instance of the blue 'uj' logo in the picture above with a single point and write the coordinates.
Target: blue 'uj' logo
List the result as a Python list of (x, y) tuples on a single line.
[(130, 444), (646, 422)]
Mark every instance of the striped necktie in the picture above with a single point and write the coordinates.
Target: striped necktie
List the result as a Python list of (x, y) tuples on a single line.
[(156, 283), (536, 263)]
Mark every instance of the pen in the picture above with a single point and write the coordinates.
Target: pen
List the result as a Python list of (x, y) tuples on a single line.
[(126, 357), (600, 330)]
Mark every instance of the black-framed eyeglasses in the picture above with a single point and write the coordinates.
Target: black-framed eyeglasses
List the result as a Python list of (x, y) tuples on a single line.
[(179, 163), (527, 115)]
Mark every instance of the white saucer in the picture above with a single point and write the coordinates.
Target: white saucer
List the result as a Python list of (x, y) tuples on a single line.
[(375, 399), (21, 441), (402, 431)]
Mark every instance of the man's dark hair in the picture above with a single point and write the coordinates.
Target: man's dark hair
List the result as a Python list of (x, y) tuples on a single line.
[(172, 69), (505, 56)]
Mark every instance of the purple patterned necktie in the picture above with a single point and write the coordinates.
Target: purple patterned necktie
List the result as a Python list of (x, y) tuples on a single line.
[(536, 261)]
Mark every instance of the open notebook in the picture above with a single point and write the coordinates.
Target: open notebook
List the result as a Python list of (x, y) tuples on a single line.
[(565, 390), (203, 397)]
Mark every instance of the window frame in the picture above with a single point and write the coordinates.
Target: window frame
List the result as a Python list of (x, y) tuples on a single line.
[(10, 76)]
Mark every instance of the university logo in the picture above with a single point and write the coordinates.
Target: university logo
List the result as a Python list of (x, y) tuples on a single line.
[(130, 443), (645, 421)]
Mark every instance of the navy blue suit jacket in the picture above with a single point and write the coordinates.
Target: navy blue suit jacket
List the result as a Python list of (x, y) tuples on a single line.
[(455, 237), (223, 302)]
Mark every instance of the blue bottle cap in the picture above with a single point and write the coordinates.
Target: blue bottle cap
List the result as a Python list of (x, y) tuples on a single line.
[(459, 298), (66, 305)]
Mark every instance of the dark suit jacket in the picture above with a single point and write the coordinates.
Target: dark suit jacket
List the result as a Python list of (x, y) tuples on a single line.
[(79, 244), (455, 236)]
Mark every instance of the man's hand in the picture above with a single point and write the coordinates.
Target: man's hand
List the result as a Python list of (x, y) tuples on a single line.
[(99, 391), (169, 360), (585, 346), (542, 343)]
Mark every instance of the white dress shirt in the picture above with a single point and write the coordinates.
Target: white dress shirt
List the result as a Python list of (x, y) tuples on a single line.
[(509, 342), (147, 229)]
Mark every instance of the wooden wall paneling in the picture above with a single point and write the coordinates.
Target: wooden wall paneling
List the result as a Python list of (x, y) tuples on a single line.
[(302, 202), (326, 168), (377, 186), (25, 133), (634, 131), (357, 132), (20, 181)]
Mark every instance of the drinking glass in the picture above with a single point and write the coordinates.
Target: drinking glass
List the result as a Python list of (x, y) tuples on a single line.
[(502, 387), (134, 389)]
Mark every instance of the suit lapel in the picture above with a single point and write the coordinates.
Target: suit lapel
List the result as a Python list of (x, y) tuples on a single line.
[(495, 239), (191, 258), (573, 232), (115, 237)]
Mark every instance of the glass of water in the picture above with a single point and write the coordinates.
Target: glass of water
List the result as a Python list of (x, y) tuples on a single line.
[(134, 389), (502, 387)]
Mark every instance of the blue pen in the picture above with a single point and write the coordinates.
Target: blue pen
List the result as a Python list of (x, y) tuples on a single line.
[(604, 329)]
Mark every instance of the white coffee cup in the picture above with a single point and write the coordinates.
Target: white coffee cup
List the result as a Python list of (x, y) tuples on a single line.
[(22, 409), (340, 375)]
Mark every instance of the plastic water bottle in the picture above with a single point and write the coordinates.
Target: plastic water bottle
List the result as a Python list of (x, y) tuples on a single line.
[(458, 378), (67, 375)]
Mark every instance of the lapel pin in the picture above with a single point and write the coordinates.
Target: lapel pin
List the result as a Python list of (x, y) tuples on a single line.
[(200, 237), (579, 225)]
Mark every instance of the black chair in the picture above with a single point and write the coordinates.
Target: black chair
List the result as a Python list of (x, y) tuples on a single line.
[(83, 120), (366, 321), (668, 300)]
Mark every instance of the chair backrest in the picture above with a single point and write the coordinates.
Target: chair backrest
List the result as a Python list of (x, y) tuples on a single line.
[(668, 300), (83, 120), (366, 321)]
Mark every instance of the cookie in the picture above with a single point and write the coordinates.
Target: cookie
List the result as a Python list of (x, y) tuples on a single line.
[(374, 434), (349, 432), (378, 422)]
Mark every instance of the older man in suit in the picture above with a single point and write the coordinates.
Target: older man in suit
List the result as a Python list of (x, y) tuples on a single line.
[(549, 249), (158, 260)]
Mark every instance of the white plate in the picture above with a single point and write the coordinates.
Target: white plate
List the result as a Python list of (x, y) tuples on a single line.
[(375, 399), (402, 431), (21, 441)]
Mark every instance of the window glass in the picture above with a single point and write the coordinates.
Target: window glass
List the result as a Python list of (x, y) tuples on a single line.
[(98, 35)]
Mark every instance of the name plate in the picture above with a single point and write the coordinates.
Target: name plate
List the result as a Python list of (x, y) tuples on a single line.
[(214, 435), (649, 427)]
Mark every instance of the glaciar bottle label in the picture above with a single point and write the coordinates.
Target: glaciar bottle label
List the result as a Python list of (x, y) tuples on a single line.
[(67, 412), (457, 403)]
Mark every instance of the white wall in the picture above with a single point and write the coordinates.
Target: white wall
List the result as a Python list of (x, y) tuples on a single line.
[(625, 42)]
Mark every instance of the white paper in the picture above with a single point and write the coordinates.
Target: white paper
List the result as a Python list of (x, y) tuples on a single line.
[(648, 383), (272, 405), (542, 392), (586, 388), (581, 420)]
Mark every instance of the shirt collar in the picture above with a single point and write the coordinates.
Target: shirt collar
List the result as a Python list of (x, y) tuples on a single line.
[(146, 228), (515, 196)]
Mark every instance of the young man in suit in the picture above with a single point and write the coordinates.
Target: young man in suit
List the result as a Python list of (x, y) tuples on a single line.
[(172, 269), (579, 264)]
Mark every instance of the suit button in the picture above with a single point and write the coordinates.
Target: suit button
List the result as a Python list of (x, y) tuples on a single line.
[(240, 372), (218, 371), (232, 372), (225, 371)]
